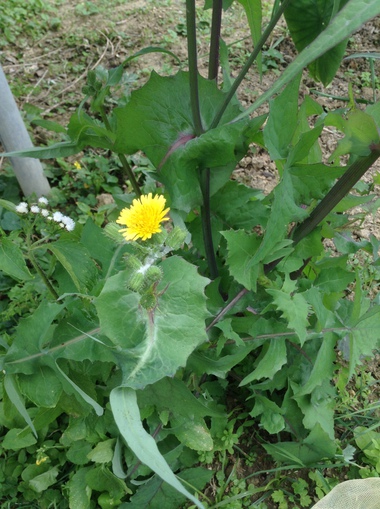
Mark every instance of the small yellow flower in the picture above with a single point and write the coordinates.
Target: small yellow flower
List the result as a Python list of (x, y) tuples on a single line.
[(144, 217), (77, 165)]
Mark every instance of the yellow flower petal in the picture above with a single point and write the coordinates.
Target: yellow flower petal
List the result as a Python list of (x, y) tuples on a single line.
[(144, 217)]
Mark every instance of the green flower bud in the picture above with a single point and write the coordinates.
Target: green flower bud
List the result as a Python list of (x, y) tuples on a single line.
[(112, 230), (148, 300), (136, 281), (132, 262), (176, 238), (152, 275)]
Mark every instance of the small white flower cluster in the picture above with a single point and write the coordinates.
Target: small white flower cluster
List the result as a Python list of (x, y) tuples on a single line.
[(57, 217)]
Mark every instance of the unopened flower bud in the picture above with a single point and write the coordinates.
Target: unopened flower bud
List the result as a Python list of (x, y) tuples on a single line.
[(132, 262), (152, 275), (148, 300), (112, 230), (176, 238), (136, 281)]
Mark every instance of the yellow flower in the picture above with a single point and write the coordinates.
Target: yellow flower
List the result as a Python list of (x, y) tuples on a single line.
[(143, 218), (77, 165)]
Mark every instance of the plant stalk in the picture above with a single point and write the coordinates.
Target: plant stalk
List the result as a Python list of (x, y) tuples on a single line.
[(216, 23), (273, 22), (193, 66), (44, 277), (198, 129), (126, 167)]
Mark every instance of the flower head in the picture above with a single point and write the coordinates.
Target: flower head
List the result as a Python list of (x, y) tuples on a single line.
[(144, 217), (22, 208), (43, 201)]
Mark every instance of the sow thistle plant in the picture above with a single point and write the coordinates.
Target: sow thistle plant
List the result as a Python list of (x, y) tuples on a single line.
[(151, 322)]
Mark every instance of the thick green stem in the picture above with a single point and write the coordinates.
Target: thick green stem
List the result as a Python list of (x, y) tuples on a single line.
[(273, 22), (44, 277), (193, 65), (126, 167), (213, 64)]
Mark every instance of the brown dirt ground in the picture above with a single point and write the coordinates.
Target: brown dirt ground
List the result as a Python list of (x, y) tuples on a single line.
[(50, 72)]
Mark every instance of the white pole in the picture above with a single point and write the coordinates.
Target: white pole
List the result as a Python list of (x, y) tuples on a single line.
[(14, 136)]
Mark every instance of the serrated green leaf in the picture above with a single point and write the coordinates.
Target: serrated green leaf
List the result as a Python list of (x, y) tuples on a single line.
[(241, 248), (282, 121), (155, 343), (127, 416), (364, 338), (274, 356), (12, 261), (271, 415), (294, 307)]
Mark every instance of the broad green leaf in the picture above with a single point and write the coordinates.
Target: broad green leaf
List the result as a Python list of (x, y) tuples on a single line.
[(155, 343), (201, 362), (312, 181), (79, 491), (282, 121), (43, 481), (318, 407), (241, 249), (42, 387), (158, 121), (103, 480), (317, 446), (353, 15), (77, 261), (77, 453), (102, 452), (71, 387), (364, 338), (368, 441), (360, 131), (127, 416), (239, 206), (29, 339), (271, 415), (13, 392), (192, 432), (284, 210), (155, 494), (16, 439), (306, 19), (294, 307), (173, 395), (12, 261), (271, 360)]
